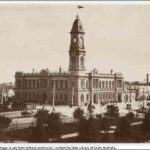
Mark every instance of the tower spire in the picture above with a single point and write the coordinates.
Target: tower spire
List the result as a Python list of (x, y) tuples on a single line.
[(77, 51)]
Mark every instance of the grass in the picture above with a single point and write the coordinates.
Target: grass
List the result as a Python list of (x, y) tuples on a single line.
[(136, 133)]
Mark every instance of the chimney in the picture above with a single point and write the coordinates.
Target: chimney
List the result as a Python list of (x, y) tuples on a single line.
[(60, 69), (33, 70), (111, 71), (147, 79)]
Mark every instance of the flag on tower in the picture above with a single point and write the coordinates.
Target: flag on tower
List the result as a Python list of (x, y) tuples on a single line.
[(79, 6)]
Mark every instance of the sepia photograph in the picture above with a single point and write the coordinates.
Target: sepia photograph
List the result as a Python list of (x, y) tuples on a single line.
[(74, 73)]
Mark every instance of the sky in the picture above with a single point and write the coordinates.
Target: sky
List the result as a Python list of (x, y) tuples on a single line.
[(37, 36)]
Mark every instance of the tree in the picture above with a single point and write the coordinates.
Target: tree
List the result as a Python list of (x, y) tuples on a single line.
[(54, 125), (90, 108), (105, 126), (47, 127), (88, 130), (39, 133), (112, 111), (78, 113), (44, 98), (4, 122), (130, 116), (82, 130), (19, 105), (122, 133), (146, 124)]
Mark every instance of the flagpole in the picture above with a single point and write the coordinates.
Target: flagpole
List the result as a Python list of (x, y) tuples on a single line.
[(2, 96), (79, 7), (72, 95)]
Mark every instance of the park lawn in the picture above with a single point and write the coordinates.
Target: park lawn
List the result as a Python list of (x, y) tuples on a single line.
[(136, 133), (69, 128), (22, 134)]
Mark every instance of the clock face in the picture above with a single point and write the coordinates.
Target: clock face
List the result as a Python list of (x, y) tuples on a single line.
[(74, 40)]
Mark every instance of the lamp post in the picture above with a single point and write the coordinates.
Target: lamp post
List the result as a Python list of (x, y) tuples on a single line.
[(54, 90), (72, 102), (115, 80), (143, 97)]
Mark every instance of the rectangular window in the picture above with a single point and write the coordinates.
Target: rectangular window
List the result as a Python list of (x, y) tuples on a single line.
[(110, 84), (106, 84), (113, 84), (66, 84), (103, 86), (95, 83), (100, 85), (119, 83), (82, 83)]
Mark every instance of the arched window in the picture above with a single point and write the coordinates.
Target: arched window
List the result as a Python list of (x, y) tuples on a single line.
[(104, 96), (66, 97), (87, 98), (100, 84), (82, 98), (126, 98), (61, 97), (95, 98), (56, 96), (87, 84), (82, 61), (106, 84), (82, 83), (100, 96), (110, 84)]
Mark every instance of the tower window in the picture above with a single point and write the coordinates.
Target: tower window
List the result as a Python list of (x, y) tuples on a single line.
[(82, 98), (82, 83), (82, 61)]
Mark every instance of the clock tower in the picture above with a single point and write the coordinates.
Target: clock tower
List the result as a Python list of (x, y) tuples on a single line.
[(77, 51)]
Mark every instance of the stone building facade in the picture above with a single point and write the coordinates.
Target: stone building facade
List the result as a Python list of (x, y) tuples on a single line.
[(73, 87)]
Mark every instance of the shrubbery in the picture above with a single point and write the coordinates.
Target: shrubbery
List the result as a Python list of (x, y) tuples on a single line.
[(112, 111), (88, 130), (47, 127), (130, 116), (122, 133), (4, 122), (78, 113), (146, 124)]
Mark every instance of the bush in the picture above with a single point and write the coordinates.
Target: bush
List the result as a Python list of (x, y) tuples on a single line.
[(88, 130), (78, 113), (4, 122), (47, 126), (123, 131), (130, 116), (54, 125), (112, 111), (91, 108), (19, 105), (146, 124), (105, 124), (41, 117)]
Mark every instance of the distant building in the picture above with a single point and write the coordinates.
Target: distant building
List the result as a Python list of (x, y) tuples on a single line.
[(142, 89), (75, 86), (6, 91), (129, 94)]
